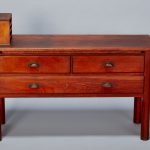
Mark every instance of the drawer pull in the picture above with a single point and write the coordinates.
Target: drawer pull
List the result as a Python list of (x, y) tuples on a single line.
[(107, 85), (108, 64), (34, 65), (34, 86)]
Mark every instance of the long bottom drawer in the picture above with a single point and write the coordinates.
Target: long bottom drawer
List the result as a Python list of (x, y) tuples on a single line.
[(70, 84)]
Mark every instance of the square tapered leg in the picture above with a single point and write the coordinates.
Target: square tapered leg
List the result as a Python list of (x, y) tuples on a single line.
[(2, 110), (0, 132), (146, 100), (137, 110)]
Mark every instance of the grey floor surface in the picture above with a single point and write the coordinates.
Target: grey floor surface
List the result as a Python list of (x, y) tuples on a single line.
[(71, 124)]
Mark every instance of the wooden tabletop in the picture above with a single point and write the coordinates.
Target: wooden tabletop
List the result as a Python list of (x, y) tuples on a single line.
[(78, 43), (5, 16)]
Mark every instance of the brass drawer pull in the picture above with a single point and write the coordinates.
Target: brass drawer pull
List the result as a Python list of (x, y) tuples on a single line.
[(34, 86), (108, 64), (34, 65), (107, 85)]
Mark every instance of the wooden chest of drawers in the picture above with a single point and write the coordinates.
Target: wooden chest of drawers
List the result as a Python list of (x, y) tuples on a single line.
[(78, 66)]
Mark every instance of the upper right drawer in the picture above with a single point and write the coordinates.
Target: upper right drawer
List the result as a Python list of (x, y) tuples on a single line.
[(103, 64)]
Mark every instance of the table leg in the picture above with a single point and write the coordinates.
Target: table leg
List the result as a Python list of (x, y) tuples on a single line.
[(145, 119), (146, 100), (2, 110), (137, 110), (0, 132)]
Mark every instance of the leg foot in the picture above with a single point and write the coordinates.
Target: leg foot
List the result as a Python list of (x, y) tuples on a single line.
[(145, 120), (0, 132), (137, 110)]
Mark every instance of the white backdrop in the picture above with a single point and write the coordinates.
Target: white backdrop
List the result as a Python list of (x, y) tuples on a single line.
[(74, 123), (79, 16)]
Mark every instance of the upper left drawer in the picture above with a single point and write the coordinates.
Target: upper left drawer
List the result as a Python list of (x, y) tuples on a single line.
[(34, 64)]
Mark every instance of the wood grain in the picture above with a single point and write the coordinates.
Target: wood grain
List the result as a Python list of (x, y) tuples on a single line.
[(77, 44)]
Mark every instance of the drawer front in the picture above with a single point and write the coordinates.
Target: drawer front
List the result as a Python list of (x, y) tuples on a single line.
[(71, 84), (99, 64), (34, 64)]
